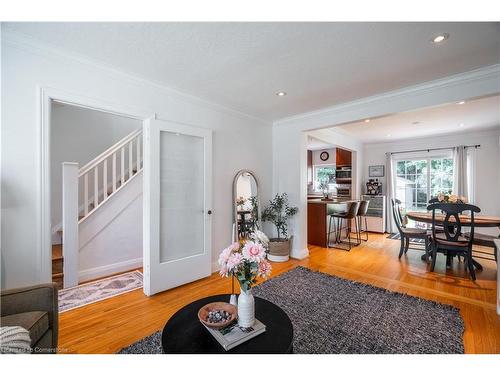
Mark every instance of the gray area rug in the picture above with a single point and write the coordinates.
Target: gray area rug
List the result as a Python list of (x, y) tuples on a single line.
[(334, 315), (84, 294)]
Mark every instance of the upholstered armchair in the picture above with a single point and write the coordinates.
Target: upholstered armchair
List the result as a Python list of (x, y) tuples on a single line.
[(34, 308)]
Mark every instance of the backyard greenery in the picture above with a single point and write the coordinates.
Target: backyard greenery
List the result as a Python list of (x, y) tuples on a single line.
[(419, 180)]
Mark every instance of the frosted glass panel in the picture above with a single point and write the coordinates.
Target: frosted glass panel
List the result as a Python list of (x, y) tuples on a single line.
[(181, 196)]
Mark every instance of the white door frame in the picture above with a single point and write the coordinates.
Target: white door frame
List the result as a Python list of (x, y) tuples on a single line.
[(46, 95)]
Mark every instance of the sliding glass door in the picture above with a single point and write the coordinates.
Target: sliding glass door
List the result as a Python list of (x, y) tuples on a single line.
[(416, 180)]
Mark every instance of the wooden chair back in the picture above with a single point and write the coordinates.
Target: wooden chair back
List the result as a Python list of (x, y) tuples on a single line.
[(451, 226)]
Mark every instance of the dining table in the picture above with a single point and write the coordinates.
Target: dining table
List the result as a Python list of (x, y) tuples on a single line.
[(480, 221)]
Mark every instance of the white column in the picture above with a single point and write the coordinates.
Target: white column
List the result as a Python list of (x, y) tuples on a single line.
[(70, 223)]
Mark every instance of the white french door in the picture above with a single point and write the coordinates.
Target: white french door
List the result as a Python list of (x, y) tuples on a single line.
[(177, 204)]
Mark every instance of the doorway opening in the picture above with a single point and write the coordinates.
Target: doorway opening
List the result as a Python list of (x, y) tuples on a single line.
[(95, 200)]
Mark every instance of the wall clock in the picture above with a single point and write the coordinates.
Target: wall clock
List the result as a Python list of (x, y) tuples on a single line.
[(324, 156)]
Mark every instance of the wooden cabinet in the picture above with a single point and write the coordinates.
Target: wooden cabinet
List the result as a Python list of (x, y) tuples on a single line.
[(309, 167), (343, 157)]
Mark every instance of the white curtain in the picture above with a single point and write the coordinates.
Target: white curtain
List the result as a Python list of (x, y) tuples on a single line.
[(390, 225), (460, 182)]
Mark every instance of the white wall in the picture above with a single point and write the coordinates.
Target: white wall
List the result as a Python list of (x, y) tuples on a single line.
[(487, 169), (316, 160), (240, 142), (79, 135)]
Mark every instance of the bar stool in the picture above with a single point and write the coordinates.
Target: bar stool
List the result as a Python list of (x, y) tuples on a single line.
[(362, 210), (341, 216)]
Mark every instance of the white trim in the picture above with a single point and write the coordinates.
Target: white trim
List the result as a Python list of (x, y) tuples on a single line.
[(320, 118), (45, 97), (97, 272), (27, 43)]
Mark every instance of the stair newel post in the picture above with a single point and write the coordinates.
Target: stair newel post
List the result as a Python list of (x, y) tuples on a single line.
[(70, 223)]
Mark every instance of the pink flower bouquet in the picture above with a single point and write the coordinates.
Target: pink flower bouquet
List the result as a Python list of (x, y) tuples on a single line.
[(247, 261)]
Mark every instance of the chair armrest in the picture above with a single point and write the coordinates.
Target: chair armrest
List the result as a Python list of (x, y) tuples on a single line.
[(42, 297)]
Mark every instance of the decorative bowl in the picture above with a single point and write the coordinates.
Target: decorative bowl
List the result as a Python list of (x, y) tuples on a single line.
[(205, 310)]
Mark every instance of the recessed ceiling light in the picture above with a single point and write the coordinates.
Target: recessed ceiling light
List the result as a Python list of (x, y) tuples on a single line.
[(440, 38), (367, 120), (281, 93), (389, 135), (462, 125), (461, 102)]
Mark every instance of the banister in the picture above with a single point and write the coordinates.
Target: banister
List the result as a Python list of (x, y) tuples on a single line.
[(104, 155)]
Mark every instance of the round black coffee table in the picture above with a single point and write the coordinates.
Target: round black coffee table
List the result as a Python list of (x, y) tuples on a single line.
[(184, 333)]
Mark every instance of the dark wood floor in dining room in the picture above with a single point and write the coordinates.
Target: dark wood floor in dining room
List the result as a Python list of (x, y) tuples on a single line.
[(109, 325)]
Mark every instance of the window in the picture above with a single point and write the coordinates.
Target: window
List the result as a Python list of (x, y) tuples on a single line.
[(419, 179), (324, 173)]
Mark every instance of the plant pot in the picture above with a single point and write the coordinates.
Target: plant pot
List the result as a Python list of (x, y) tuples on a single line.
[(279, 250)]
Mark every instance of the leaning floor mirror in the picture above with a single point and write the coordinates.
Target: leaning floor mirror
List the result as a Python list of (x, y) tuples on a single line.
[(246, 204)]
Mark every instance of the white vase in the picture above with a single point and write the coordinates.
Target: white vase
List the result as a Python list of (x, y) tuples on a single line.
[(246, 309)]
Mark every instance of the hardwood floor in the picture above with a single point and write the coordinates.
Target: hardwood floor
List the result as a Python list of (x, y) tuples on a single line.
[(109, 325)]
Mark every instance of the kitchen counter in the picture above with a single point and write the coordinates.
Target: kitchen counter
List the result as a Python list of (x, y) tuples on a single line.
[(318, 212), (333, 201)]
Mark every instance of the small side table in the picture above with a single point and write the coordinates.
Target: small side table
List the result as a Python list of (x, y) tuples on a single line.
[(185, 334)]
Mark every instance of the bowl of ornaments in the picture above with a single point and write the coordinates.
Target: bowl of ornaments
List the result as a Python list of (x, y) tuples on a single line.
[(218, 314)]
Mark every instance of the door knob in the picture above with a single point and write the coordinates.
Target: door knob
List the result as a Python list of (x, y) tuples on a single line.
[(209, 212)]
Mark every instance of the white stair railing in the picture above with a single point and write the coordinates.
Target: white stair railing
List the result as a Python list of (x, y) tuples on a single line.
[(125, 159)]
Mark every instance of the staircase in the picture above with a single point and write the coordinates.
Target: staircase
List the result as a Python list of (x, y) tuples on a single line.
[(57, 265), (109, 172)]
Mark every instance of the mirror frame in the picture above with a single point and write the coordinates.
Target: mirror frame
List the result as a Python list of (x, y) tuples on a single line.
[(235, 208)]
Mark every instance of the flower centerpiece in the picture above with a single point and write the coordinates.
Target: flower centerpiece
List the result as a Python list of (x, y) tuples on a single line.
[(450, 198), (246, 260)]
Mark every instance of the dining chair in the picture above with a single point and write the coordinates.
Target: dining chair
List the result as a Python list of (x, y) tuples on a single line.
[(348, 216), (451, 241), (362, 211), (485, 240), (438, 227), (406, 234)]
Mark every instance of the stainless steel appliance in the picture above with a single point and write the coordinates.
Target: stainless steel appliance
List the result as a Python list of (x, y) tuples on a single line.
[(343, 173), (344, 191)]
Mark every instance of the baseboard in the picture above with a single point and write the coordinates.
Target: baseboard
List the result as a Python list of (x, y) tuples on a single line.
[(299, 254), (107, 270)]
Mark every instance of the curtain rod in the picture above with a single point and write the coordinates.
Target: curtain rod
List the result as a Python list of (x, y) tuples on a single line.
[(430, 149)]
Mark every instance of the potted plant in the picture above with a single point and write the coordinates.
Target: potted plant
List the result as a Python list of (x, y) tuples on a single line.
[(278, 212)]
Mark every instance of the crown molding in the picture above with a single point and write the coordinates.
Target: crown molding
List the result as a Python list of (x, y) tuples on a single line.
[(486, 132), (29, 44), (486, 74)]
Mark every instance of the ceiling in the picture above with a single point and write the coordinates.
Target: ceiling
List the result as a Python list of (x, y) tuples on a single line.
[(444, 119), (317, 144), (243, 65)]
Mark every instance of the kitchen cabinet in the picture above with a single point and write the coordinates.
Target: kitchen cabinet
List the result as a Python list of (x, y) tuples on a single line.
[(343, 157)]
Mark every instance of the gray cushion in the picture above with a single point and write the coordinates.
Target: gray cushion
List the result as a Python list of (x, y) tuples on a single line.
[(36, 322)]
